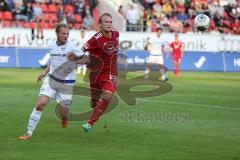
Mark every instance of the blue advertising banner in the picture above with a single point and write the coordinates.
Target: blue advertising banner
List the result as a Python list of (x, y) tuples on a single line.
[(128, 59), (232, 62), (194, 61), (29, 58), (8, 58), (199, 61)]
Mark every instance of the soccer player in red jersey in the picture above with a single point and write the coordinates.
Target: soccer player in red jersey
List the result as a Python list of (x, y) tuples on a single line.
[(177, 53), (103, 49)]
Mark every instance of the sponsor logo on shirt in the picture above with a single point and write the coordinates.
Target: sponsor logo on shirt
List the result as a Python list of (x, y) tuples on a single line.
[(58, 55), (110, 47)]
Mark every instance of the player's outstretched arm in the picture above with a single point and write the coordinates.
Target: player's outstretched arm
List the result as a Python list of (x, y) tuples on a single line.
[(72, 57), (45, 72), (84, 59)]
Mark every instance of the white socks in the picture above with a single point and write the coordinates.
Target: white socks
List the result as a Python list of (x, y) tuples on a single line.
[(33, 121)]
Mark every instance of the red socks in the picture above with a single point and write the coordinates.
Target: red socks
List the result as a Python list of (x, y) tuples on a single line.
[(98, 110), (175, 71)]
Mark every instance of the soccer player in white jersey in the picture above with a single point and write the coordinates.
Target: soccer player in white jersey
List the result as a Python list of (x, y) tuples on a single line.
[(59, 83), (155, 48)]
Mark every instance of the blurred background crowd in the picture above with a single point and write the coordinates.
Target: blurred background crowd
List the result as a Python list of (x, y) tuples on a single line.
[(139, 15)]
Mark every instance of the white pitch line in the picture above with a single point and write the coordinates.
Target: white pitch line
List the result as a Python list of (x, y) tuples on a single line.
[(201, 95), (170, 102), (191, 104)]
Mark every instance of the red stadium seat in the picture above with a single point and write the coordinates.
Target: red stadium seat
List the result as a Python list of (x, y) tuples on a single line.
[(7, 15), (1, 16), (44, 7), (19, 23), (52, 8), (78, 18), (51, 25), (77, 25), (6, 23), (45, 17), (52, 17), (68, 8)]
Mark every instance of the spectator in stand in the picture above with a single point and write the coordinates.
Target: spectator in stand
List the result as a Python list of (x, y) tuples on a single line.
[(18, 2), (217, 18), (157, 10), (37, 12), (88, 22), (121, 11), (93, 4), (181, 15), (222, 27), (133, 18), (175, 25), (174, 6), (234, 10), (236, 26), (149, 4), (60, 14), (146, 19), (190, 8), (80, 8), (19, 14), (205, 9), (3, 5), (70, 19), (10, 5), (28, 9), (167, 9), (216, 7), (187, 28)]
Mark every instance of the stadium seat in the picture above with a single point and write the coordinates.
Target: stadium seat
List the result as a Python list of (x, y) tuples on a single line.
[(77, 25), (1, 16), (19, 23), (78, 18), (7, 15), (45, 17), (44, 7), (52, 17), (52, 8), (26, 25), (68, 8), (6, 23)]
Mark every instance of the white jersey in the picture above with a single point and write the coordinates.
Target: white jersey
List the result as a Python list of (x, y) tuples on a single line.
[(58, 58), (156, 45)]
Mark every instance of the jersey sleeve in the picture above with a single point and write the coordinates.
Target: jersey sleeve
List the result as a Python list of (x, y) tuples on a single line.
[(91, 44), (77, 51)]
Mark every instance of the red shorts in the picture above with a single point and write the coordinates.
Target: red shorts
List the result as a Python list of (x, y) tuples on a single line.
[(176, 59), (103, 82)]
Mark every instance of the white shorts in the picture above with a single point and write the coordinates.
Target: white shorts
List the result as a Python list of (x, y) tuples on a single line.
[(155, 59), (61, 92)]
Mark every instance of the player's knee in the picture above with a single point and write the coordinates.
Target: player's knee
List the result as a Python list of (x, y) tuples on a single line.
[(40, 105)]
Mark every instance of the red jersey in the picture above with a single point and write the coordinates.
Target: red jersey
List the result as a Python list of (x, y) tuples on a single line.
[(103, 52), (176, 49)]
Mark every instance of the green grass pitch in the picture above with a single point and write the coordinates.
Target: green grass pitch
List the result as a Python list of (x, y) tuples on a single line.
[(202, 122)]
